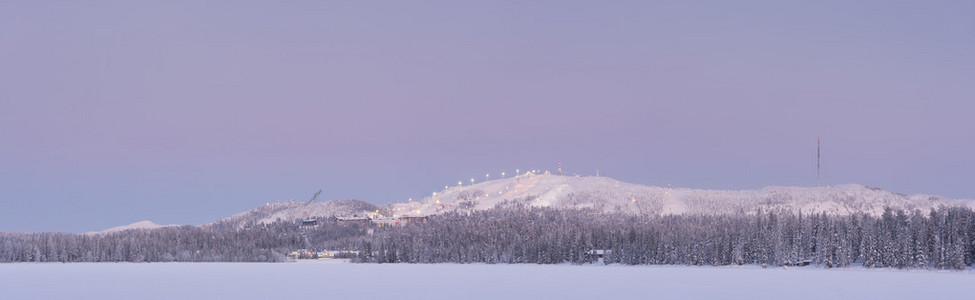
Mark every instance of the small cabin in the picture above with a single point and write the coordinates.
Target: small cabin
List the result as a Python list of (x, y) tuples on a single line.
[(353, 219), (798, 264), (309, 222), (598, 254)]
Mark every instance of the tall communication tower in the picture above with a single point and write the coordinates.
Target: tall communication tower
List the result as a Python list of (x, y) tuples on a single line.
[(560, 168), (819, 143)]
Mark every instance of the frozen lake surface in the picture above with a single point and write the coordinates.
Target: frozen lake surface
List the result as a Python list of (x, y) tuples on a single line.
[(324, 280)]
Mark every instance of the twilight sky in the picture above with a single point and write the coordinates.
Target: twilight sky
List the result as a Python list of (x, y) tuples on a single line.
[(187, 112)]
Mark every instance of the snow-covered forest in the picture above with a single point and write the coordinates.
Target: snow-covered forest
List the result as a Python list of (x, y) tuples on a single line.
[(517, 233), (941, 239), (212, 243)]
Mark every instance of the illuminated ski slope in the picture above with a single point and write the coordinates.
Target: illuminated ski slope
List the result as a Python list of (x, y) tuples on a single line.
[(607, 194)]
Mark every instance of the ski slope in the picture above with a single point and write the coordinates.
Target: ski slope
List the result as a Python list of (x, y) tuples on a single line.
[(318, 280)]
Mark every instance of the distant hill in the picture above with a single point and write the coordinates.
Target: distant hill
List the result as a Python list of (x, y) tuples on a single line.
[(600, 193), (296, 211), (610, 195), (136, 225), (552, 219)]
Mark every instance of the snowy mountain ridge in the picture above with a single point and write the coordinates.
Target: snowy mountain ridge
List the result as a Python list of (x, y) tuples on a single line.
[(595, 192), (610, 195), (146, 224)]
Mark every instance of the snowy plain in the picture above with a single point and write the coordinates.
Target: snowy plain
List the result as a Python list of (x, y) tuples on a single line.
[(333, 280)]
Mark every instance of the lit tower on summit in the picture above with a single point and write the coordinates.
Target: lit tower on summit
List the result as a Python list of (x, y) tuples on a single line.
[(819, 143), (560, 168)]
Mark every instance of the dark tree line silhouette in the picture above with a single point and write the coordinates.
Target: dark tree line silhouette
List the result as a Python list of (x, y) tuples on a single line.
[(517, 233)]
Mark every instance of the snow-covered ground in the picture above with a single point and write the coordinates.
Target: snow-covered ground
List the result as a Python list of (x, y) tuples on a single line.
[(322, 280)]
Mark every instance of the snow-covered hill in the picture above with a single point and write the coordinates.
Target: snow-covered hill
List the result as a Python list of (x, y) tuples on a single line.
[(611, 195), (137, 225), (295, 211), (601, 193)]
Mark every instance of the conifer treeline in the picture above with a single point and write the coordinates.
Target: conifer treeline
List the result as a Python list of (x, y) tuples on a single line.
[(941, 239), (212, 243)]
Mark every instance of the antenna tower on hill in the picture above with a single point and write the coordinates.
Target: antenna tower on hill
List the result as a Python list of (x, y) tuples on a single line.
[(819, 143), (560, 168)]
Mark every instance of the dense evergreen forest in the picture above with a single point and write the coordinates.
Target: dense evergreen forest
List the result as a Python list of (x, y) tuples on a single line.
[(940, 239), (210, 243)]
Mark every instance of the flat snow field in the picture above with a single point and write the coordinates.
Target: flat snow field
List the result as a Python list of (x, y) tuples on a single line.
[(325, 280)]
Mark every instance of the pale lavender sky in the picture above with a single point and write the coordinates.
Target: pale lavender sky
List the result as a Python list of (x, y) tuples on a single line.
[(187, 112)]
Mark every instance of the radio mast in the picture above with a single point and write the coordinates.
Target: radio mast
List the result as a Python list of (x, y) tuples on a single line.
[(819, 143)]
